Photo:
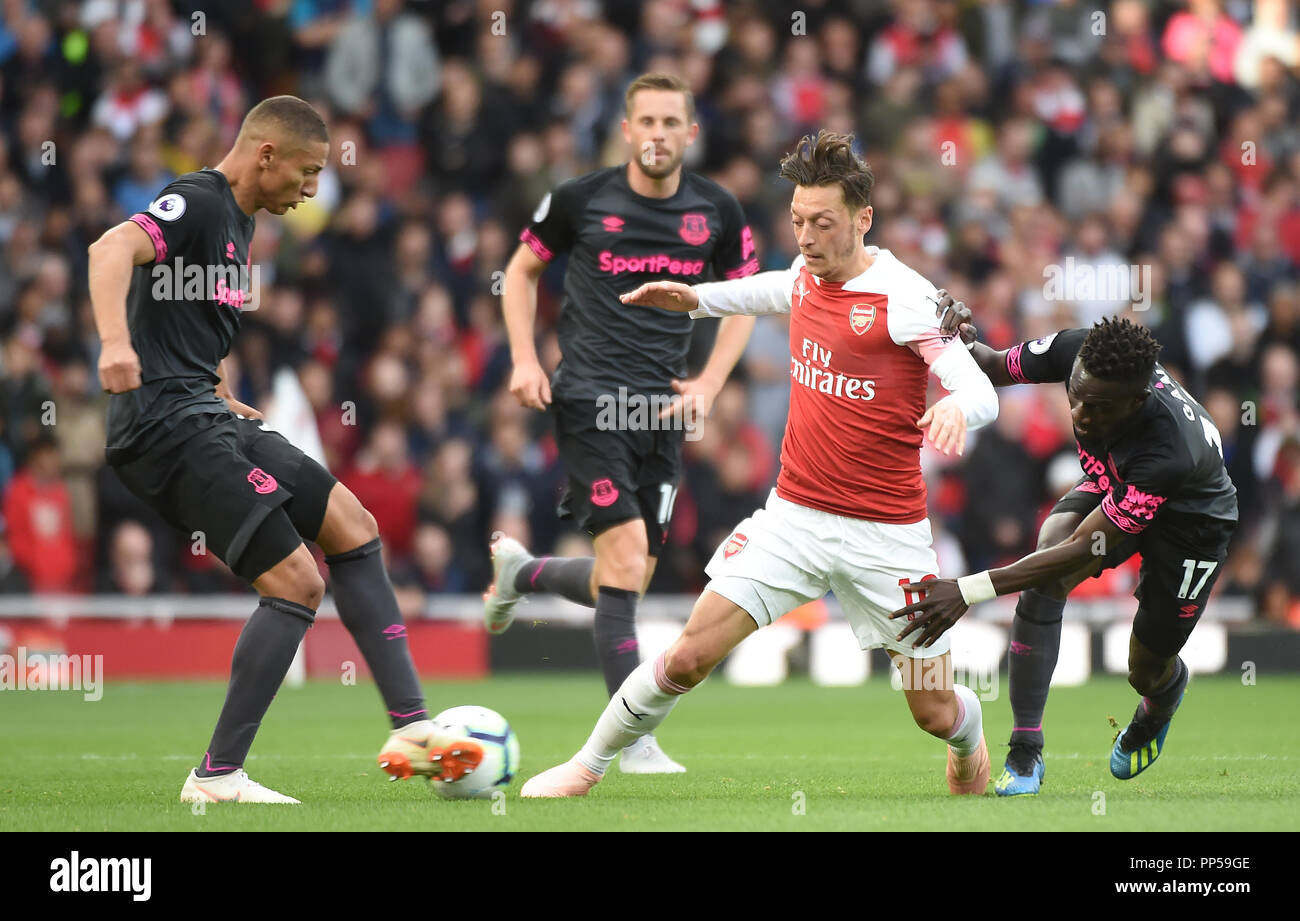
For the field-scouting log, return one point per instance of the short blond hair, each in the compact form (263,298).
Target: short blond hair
(661,81)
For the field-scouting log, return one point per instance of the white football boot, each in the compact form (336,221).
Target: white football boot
(235,787)
(644,756)
(508,557)
(567,779)
(426,749)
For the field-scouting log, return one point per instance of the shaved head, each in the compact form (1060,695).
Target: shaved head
(286,120)
(281,150)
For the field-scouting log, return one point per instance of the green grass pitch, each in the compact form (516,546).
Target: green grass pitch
(790,758)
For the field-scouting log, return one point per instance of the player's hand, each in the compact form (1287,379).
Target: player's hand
(529,385)
(119,367)
(941,607)
(243,409)
(947,426)
(670,295)
(955,317)
(694,400)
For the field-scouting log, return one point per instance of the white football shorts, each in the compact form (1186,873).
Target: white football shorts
(785,555)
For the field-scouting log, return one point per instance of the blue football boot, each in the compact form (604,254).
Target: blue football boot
(1023,773)
(1139,745)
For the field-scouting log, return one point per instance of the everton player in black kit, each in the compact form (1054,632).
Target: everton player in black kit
(645,220)
(1153,483)
(167,291)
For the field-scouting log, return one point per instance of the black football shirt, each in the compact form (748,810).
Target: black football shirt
(183,309)
(616,241)
(1167,458)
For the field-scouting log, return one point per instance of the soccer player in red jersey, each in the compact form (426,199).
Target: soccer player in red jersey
(621,226)
(848,513)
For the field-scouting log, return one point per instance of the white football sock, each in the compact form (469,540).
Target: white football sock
(637,707)
(969,728)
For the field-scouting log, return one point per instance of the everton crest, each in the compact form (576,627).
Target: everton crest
(694,229)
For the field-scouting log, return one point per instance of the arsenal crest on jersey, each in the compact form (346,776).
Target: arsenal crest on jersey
(735,544)
(861,316)
(694,229)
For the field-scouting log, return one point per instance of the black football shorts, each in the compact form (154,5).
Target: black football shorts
(252,494)
(616,474)
(1182,556)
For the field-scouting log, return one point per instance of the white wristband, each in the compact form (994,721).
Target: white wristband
(976,588)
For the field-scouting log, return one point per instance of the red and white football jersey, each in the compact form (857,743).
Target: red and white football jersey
(860,353)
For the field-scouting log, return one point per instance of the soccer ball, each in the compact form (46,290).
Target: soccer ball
(500,752)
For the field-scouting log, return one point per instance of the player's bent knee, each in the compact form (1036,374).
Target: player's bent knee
(1144,680)
(369,526)
(359,519)
(621,566)
(687,664)
(295,578)
(348,524)
(934,717)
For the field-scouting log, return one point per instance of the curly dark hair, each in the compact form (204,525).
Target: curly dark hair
(828,159)
(1119,350)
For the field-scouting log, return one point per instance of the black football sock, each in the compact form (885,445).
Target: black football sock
(616,644)
(1158,708)
(1035,645)
(568,577)
(263,654)
(368,608)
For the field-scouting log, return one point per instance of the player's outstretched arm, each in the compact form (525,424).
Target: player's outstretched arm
(946,600)
(753,295)
(113,257)
(666,295)
(519,304)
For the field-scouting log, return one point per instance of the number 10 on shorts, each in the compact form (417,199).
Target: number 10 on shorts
(914,597)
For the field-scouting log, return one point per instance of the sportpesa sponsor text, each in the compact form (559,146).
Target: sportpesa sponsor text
(658,263)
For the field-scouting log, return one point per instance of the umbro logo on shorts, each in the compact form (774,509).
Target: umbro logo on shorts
(262,481)
(735,544)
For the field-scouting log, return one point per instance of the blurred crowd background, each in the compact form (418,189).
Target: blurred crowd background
(1006,137)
